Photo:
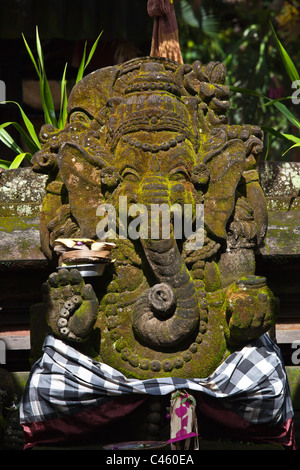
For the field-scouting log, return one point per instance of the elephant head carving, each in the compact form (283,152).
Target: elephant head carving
(154,133)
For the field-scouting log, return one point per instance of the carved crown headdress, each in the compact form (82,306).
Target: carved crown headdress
(153,100)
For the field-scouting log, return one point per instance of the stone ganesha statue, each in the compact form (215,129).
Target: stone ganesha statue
(152,131)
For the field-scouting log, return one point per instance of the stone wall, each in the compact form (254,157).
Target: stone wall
(279,256)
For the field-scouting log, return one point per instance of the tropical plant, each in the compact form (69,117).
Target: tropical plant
(201,33)
(293,75)
(29,134)
(238,34)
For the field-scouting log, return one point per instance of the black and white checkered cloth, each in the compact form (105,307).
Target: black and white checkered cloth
(252,382)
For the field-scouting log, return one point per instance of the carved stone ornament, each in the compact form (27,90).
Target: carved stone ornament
(145,133)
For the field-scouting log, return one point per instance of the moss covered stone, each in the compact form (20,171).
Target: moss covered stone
(156,133)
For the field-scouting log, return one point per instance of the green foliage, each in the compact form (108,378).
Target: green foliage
(239,35)
(202,29)
(45,92)
(29,134)
(84,63)
(292,72)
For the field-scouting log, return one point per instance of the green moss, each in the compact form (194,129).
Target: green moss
(9,224)
(212,277)
(293,373)
(20,380)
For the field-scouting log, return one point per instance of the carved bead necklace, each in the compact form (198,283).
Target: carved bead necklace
(146,147)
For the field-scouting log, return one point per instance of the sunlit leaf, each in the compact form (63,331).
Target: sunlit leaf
(291,137)
(287,61)
(18,160)
(292,147)
(46,95)
(4,164)
(31,138)
(81,65)
(28,124)
(288,114)
(48,102)
(30,143)
(39,49)
(92,51)
(9,141)
(84,63)
(31,56)
(63,100)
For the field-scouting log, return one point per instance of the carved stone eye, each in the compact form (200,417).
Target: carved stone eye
(179,174)
(79,116)
(129,174)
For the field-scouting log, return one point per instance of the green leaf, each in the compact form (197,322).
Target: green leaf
(63,100)
(9,141)
(18,160)
(283,136)
(28,124)
(291,137)
(277,103)
(47,117)
(48,102)
(274,132)
(292,147)
(31,56)
(247,91)
(4,164)
(276,100)
(39,49)
(287,113)
(30,143)
(92,51)
(81,66)
(269,141)
(8,165)
(287,61)
(46,95)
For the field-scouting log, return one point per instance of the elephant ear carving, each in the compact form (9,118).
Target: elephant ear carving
(81,177)
(226,166)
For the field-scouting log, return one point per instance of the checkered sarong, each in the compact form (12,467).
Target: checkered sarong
(251,382)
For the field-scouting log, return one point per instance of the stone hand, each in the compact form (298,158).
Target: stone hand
(250,310)
(72,305)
